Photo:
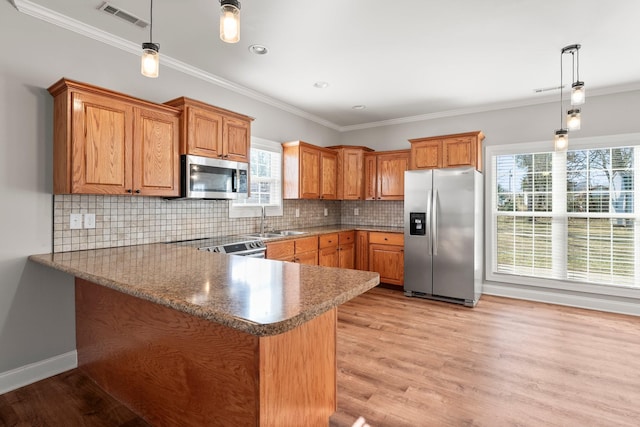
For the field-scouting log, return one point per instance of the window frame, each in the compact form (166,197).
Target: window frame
(237,210)
(491,275)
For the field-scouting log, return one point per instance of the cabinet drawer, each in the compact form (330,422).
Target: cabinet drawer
(306,244)
(280,250)
(346,237)
(386,238)
(328,240)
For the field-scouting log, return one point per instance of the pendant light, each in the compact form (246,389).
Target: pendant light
(150,63)
(561,140)
(230,21)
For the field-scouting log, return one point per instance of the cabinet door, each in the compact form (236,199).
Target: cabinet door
(101,155)
(458,152)
(362,250)
(370,176)
(328,181)
(309,258)
(156,162)
(388,261)
(204,135)
(328,257)
(347,254)
(391,168)
(426,155)
(309,173)
(352,174)
(236,139)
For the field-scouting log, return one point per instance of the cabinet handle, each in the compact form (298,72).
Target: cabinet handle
(138,191)
(128,190)
(386,238)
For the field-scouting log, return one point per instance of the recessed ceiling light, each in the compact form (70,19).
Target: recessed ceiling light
(258,49)
(358,107)
(321,85)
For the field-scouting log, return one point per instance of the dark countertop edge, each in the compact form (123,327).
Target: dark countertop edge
(237,323)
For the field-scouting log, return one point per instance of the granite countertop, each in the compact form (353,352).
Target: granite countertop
(316,231)
(258,296)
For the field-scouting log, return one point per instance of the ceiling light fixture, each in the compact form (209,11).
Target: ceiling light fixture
(150,63)
(258,49)
(561,140)
(230,21)
(321,85)
(358,107)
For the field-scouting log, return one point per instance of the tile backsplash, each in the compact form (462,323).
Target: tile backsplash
(127,220)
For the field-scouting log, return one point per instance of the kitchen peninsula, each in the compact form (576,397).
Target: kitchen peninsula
(186,337)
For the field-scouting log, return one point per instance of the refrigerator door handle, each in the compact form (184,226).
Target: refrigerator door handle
(434,223)
(428,224)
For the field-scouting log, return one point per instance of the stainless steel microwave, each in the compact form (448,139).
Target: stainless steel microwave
(207,178)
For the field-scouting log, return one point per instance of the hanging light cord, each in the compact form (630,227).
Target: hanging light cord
(561,86)
(151,23)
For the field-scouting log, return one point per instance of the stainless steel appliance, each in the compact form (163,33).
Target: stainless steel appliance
(229,245)
(443,234)
(206,178)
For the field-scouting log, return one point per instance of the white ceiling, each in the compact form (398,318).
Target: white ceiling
(399,58)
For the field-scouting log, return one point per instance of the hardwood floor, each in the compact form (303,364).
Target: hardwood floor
(412,362)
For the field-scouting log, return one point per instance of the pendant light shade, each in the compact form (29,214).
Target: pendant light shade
(150,64)
(577,93)
(150,61)
(230,21)
(573,119)
(561,141)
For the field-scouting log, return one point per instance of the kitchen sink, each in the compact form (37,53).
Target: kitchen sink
(290,232)
(272,234)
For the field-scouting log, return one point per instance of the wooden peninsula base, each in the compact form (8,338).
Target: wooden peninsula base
(175,369)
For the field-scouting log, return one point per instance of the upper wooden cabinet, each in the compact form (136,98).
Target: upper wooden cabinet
(109,143)
(384,174)
(448,151)
(210,131)
(350,176)
(309,171)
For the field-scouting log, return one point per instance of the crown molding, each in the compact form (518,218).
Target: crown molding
(40,12)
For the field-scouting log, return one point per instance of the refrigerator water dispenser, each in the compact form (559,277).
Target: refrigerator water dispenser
(417,223)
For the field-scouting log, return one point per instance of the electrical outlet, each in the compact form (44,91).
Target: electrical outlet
(75,221)
(326,212)
(356,211)
(297,212)
(90,220)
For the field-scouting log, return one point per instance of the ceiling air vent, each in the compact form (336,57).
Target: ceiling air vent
(116,11)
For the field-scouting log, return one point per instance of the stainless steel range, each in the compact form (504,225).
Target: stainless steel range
(233,245)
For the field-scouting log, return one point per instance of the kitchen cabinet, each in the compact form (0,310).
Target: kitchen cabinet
(386,256)
(214,132)
(384,174)
(109,143)
(350,176)
(337,249)
(310,172)
(447,151)
(302,250)
(362,250)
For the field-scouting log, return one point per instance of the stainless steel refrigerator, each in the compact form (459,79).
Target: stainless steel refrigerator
(443,234)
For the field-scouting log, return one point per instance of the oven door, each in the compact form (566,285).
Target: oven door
(205,178)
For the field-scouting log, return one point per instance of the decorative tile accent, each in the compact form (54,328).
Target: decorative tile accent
(377,213)
(130,220)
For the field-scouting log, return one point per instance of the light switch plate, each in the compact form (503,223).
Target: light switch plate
(326,212)
(89,220)
(75,221)
(297,212)
(356,211)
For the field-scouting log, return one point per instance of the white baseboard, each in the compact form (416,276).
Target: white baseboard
(589,301)
(37,371)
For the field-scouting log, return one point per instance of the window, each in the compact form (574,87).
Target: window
(265,181)
(570,218)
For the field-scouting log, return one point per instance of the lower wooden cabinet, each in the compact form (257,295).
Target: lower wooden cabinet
(302,251)
(337,250)
(362,250)
(386,256)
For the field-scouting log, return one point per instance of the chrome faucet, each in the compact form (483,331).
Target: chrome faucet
(262,219)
